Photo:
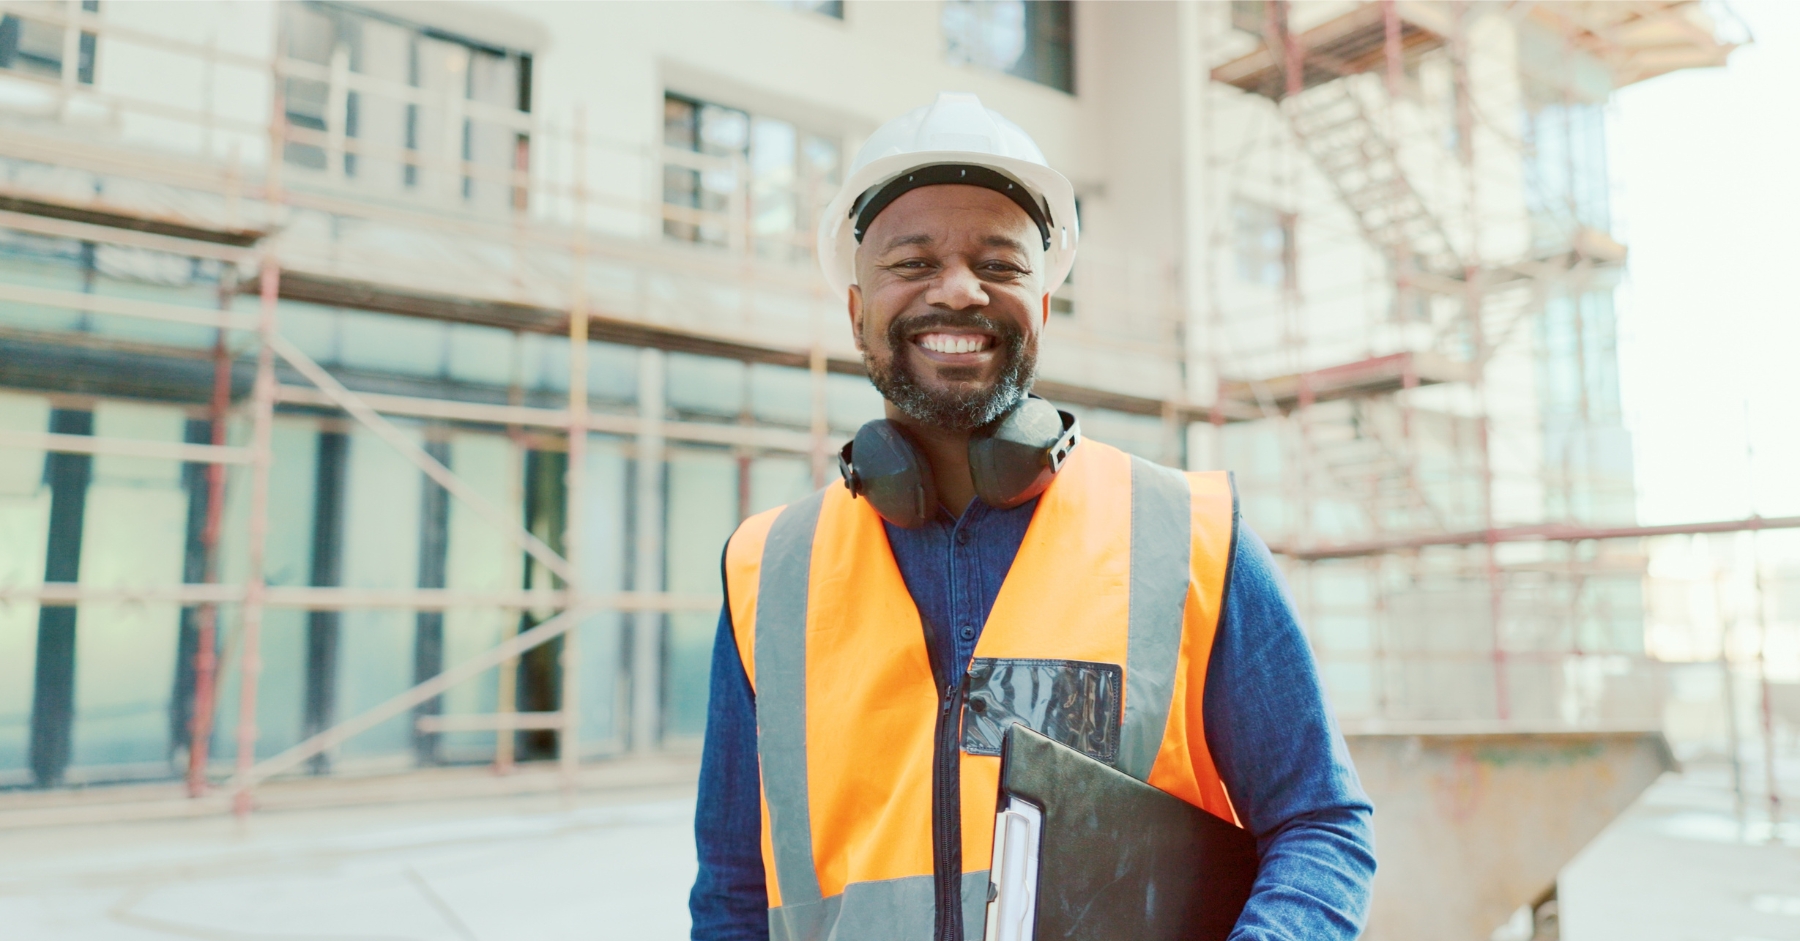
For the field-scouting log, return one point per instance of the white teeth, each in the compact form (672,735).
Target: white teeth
(952,343)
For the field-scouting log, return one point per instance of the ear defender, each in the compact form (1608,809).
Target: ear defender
(1016,457)
(891,473)
(1011,461)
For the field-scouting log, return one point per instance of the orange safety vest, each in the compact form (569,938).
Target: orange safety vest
(1120,577)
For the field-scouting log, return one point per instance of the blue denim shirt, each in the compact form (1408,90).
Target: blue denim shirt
(1272,737)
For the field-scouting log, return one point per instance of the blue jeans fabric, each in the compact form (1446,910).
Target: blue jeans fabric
(1271,734)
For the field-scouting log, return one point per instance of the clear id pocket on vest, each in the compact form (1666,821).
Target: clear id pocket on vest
(1074,702)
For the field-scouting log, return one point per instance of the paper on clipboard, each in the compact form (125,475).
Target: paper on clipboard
(1012,878)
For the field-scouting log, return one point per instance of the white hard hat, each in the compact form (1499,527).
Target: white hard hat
(953,131)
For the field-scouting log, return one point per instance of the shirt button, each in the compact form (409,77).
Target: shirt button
(967,632)
(962,537)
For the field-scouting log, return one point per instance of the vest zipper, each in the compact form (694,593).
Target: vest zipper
(946,814)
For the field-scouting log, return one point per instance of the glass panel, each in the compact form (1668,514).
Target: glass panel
(379,122)
(681,184)
(439,69)
(612,372)
(310,36)
(309,33)
(724,132)
(45,263)
(35,47)
(778,481)
(703,511)
(387,343)
(791,176)
(280,692)
(381,550)
(493,80)
(24,531)
(706,384)
(1050,54)
(544,362)
(481,558)
(312,328)
(392,137)
(988,33)
(850,401)
(21,469)
(480,354)
(781,394)
(773,202)
(1264,242)
(603,571)
(133,534)
(1032,40)
(153,276)
(681,127)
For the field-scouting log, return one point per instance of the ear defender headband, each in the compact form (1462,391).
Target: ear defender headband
(1011,461)
(870,205)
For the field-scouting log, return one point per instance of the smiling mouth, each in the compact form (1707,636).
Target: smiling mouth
(955,343)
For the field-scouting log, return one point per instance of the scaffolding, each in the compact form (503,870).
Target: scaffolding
(1386,434)
(1436,173)
(252,198)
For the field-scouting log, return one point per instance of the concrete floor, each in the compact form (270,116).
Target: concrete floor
(1676,868)
(496,869)
(1684,866)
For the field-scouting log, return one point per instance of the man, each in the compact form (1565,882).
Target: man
(846,791)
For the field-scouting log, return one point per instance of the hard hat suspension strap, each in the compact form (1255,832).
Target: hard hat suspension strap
(871,203)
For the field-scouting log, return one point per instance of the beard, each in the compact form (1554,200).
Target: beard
(953,409)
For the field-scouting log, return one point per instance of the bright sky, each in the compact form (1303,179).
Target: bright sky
(1706,169)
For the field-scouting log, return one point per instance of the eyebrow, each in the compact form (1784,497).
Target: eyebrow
(904,240)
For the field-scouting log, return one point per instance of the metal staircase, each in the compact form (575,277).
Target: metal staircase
(1362,165)
(1360,461)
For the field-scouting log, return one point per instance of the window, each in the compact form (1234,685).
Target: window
(831,8)
(395,106)
(1264,238)
(730,177)
(1032,39)
(32,46)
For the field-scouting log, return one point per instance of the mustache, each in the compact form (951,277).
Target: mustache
(965,410)
(905,328)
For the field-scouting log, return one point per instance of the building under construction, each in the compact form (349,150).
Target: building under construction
(380,381)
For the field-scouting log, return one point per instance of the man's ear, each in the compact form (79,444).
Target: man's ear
(854,307)
(1045,322)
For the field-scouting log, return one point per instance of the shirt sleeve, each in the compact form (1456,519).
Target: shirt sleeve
(1283,760)
(730,901)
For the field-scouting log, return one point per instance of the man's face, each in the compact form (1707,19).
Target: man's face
(949,303)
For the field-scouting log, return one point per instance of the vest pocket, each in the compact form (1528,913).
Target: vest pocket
(1074,702)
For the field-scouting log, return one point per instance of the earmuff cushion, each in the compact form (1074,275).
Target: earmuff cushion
(1011,462)
(892,475)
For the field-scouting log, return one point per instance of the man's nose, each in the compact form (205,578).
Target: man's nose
(957,288)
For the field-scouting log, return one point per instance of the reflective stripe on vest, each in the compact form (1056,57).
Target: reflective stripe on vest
(1124,564)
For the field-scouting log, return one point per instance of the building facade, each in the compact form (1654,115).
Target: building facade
(342,342)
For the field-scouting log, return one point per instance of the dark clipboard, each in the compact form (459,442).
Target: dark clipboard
(1106,856)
